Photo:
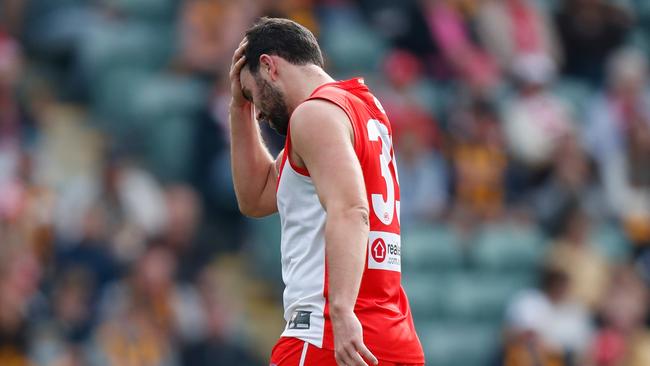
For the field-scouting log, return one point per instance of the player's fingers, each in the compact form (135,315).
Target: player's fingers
(239,51)
(236,69)
(351,356)
(340,359)
(234,62)
(365,353)
(355,359)
(236,58)
(238,65)
(346,356)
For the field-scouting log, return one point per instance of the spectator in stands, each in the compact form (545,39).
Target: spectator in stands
(147,316)
(26,210)
(209,30)
(422,170)
(14,129)
(544,327)
(130,200)
(20,300)
(423,175)
(404,25)
(91,254)
(479,161)
(623,338)
(211,177)
(407,88)
(570,182)
(221,344)
(61,338)
(12,13)
(617,137)
(590,31)
(511,29)
(182,234)
(575,254)
(535,120)
(451,30)
(637,217)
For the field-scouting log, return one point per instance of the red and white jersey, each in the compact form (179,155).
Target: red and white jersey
(382,306)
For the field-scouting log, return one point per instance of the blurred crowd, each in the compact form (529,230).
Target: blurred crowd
(120,238)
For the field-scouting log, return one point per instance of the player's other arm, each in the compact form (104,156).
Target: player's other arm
(254,172)
(322,138)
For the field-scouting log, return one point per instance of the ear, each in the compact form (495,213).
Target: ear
(269,66)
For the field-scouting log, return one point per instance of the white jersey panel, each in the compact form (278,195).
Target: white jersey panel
(303,256)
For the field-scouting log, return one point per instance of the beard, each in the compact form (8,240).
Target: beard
(273,107)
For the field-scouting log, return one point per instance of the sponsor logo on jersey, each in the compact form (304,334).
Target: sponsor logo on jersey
(378,250)
(299,320)
(384,251)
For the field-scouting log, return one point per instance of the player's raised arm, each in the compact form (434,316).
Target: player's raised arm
(254,171)
(322,139)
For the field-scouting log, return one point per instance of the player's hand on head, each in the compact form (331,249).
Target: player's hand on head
(238,61)
(349,349)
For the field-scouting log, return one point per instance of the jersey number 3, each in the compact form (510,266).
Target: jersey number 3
(384,209)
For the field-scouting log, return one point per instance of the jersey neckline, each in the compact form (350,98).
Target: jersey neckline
(348,84)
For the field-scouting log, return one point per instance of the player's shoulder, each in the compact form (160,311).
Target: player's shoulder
(314,121)
(315,108)
(316,114)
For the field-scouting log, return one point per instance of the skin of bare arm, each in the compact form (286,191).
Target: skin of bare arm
(254,171)
(322,141)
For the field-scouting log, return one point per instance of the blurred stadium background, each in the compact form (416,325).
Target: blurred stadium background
(522,131)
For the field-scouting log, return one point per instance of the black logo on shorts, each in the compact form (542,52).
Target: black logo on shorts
(299,320)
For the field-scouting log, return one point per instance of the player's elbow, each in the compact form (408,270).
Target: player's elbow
(354,212)
(362,212)
(251,210)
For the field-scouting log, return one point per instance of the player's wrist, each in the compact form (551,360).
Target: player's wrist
(239,107)
(239,112)
(341,310)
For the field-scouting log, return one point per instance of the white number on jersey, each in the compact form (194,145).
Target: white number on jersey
(384,209)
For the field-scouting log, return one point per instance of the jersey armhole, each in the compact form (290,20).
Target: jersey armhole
(287,152)
(283,161)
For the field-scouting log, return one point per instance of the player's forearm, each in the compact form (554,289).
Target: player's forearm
(346,236)
(251,162)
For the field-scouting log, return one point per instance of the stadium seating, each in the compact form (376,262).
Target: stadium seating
(458,299)
(147,10)
(264,247)
(611,242)
(575,94)
(458,344)
(508,247)
(478,295)
(432,248)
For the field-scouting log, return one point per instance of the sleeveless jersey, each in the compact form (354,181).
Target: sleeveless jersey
(382,306)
